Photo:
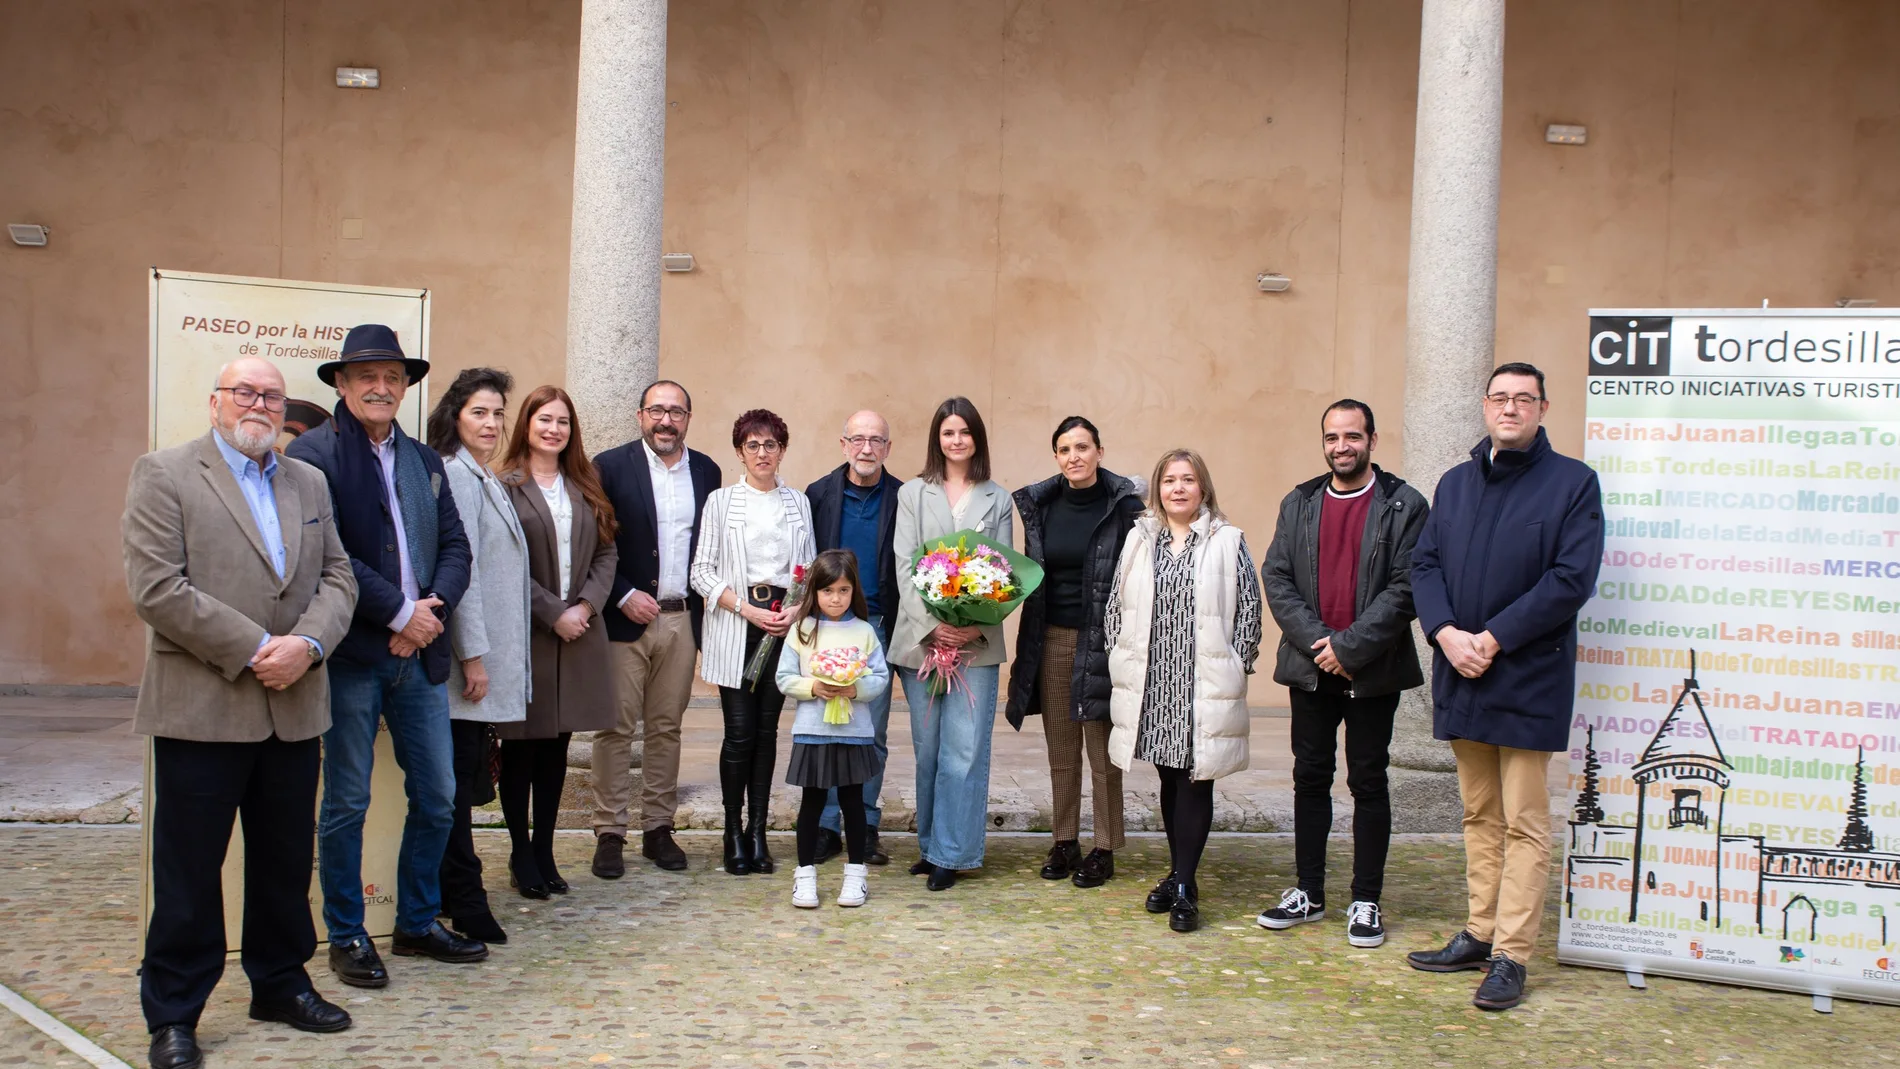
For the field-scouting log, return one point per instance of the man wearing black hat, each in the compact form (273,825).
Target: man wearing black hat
(399,525)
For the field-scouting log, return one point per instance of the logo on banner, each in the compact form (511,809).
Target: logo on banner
(374,895)
(1629,345)
(1791,954)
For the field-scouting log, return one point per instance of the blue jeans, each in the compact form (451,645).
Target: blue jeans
(880,741)
(397,691)
(952,737)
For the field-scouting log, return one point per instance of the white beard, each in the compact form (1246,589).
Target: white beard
(251,437)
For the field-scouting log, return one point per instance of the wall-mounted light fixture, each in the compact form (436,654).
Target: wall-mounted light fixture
(677,261)
(358,78)
(1272,283)
(1560,134)
(27,233)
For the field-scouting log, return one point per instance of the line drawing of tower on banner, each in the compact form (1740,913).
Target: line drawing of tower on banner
(1675,862)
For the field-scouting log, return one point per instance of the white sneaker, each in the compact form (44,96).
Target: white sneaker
(853,893)
(805,887)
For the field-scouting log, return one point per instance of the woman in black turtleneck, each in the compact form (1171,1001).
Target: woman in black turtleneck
(1073,525)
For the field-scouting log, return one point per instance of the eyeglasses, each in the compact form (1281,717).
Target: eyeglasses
(247,398)
(1508,400)
(862,441)
(763,448)
(657,413)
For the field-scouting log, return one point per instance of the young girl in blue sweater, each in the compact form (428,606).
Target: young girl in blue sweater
(832,749)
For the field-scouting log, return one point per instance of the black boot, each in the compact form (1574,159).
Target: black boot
(756,846)
(738,861)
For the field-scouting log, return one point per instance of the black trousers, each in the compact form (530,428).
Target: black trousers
(462,892)
(1315,732)
(533,774)
(201,788)
(1187,815)
(750,748)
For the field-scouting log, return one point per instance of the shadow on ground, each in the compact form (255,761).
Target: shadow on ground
(705,969)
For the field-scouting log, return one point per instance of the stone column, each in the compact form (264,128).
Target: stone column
(1450,318)
(613,288)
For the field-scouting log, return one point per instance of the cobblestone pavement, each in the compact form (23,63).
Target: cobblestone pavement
(702,969)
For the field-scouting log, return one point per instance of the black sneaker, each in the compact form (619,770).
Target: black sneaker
(1294,908)
(1364,926)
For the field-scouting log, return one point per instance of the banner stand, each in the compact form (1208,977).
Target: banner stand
(1735,811)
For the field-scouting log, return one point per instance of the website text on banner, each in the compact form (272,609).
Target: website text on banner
(201,322)
(1735,751)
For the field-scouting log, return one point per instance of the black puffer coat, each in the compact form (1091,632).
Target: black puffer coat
(1088,687)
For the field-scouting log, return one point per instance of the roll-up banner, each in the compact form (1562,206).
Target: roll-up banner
(1735,814)
(199,323)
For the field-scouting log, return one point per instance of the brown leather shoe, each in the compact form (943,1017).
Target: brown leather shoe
(658,847)
(608,862)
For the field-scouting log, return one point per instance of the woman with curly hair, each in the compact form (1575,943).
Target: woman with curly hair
(752,534)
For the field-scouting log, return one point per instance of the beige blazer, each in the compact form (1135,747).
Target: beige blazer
(923,514)
(203,582)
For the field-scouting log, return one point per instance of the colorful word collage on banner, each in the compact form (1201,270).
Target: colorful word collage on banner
(1736,738)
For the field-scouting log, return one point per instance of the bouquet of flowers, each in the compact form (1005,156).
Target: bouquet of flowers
(967,580)
(840,666)
(764,662)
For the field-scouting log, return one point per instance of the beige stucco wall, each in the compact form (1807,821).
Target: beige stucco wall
(1052,206)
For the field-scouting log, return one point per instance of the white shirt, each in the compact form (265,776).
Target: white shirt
(563,511)
(385,451)
(673,519)
(768,538)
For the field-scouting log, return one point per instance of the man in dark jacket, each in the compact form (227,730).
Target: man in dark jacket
(1338,579)
(399,525)
(658,488)
(1074,525)
(1507,559)
(855,508)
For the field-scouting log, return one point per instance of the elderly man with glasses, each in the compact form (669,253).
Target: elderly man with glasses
(855,508)
(1507,558)
(658,488)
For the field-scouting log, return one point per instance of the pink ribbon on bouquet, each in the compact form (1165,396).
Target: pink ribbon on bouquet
(943,668)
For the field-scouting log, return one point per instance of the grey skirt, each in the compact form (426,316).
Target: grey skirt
(830,764)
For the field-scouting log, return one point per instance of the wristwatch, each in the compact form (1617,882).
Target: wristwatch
(315,654)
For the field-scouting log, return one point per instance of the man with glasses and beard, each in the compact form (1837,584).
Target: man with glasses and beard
(658,487)
(1508,558)
(1338,581)
(855,508)
(233,562)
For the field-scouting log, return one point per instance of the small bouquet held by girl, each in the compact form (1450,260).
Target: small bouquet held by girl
(833,663)
(967,580)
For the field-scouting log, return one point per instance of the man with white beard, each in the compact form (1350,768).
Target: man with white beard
(233,561)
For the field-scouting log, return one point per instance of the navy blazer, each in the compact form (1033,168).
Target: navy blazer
(379,582)
(1512,547)
(827,517)
(629,486)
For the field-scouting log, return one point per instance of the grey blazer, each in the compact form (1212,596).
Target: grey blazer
(491,622)
(923,513)
(196,568)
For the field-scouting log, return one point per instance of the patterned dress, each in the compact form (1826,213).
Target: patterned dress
(1166,736)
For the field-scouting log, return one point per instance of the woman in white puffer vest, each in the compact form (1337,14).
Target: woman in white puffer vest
(1183,630)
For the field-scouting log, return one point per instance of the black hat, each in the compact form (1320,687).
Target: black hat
(368,343)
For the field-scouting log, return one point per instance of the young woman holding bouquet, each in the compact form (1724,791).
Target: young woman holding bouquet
(569,528)
(834,665)
(1074,525)
(1183,630)
(950,730)
(754,536)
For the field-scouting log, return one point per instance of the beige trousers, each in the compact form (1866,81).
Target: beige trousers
(655,680)
(1067,738)
(1506,796)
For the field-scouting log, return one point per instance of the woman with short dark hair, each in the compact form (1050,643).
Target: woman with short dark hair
(752,535)
(951,731)
(1074,524)
(488,633)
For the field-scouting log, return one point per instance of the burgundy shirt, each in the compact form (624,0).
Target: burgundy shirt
(1342,526)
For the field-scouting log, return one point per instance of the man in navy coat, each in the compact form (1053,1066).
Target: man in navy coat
(1507,558)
